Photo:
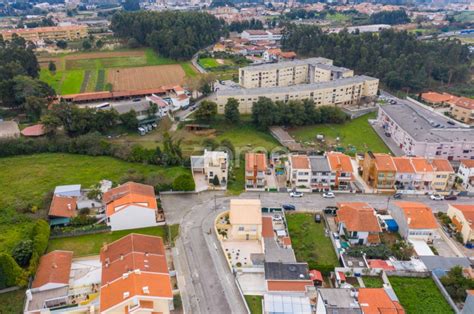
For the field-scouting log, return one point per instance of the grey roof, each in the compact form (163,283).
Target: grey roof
(9,129)
(286,304)
(339,300)
(331,67)
(295,88)
(197,162)
(275,253)
(444,263)
(279,65)
(286,271)
(424,125)
(127,107)
(319,163)
(68,190)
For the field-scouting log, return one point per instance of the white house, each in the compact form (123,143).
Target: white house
(211,164)
(299,171)
(163,105)
(130,206)
(415,221)
(466,174)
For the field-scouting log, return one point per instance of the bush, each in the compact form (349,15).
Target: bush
(41,233)
(10,273)
(22,252)
(184,182)
(83,220)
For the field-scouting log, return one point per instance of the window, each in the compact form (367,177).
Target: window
(241,228)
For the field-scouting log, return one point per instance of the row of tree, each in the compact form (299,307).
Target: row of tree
(397,58)
(174,34)
(390,17)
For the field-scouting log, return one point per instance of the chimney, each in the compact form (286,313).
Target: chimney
(409,220)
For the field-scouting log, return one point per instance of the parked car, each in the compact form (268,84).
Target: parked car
(136,99)
(436,197)
(450,197)
(288,207)
(193,108)
(397,196)
(317,218)
(142,131)
(296,194)
(277,217)
(328,195)
(330,210)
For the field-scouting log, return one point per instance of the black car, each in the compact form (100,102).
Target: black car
(397,196)
(317,218)
(330,210)
(451,197)
(288,207)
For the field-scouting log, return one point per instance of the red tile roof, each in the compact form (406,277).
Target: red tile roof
(467,211)
(463,102)
(421,164)
(468,163)
(358,216)
(403,165)
(418,215)
(340,162)
(130,193)
(384,162)
(300,162)
(46,29)
(316,275)
(258,160)
(289,285)
(380,264)
(63,206)
(267,227)
(33,130)
(442,165)
(434,97)
(53,267)
(377,301)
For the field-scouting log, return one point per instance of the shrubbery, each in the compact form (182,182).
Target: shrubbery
(184,182)
(10,273)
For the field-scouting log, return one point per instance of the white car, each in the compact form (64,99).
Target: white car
(277,217)
(436,197)
(296,194)
(328,195)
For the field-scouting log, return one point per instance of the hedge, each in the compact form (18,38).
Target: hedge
(41,233)
(10,273)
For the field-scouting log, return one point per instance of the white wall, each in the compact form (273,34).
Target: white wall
(133,217)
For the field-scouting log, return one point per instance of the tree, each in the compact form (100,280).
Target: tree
(456,284)
(129,120)
(184,182)
(52,66)
(133,43)
(86,44)
(263,113)
(22,252)
(51,123)
(131,5)
(34,106)
(231,111)
(10,273)
(207,111)
(99,44)
(215,181)
(62,44)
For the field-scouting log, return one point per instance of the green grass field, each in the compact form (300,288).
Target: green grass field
(372,281)
(419,295)
(90,244)
(255,303)
(355,133)
(310,242)
(208,63)
(12,302)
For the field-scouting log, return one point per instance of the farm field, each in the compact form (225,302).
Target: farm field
(419,295)
(88,71)
(310,242)
(90,244)
(355,133)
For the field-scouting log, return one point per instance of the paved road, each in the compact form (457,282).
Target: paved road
(206,283)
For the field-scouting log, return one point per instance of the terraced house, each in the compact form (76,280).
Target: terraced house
(379,171)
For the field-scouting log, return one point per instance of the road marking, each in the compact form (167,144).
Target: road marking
(215,246)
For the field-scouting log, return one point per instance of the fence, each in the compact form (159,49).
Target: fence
(74,233)
(445,293)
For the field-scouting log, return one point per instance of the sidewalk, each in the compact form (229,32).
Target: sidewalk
(397,151)
(358,178)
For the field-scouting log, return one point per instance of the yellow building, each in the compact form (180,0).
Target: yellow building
(462,109)
(443,176)
(463,217)
(245,219)
(53,33)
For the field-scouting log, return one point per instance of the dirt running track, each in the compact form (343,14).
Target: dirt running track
(145,77)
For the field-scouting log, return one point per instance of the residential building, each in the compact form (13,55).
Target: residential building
(287,277)
(358,223)
(341,92)
(276,55)
(421,132)
(377,300)
(337,300)
(443,176)
(211,164)
(415,221)
(130,206)
(466,174)
(379,171)
(462,109)
(435,98)
(255,168)
(9,129)
(462,217)
(341,167)
(254,35)
(135,276)
(322,178)
(245,219)
(405,175)
(54,33)
(423,173)
(299,171)
(62,209)
(276,302)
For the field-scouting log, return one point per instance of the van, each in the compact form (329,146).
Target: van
(103,106)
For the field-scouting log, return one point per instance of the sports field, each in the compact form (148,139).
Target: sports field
(90,71)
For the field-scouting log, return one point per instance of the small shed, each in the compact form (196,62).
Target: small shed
(34,130)
(68,190)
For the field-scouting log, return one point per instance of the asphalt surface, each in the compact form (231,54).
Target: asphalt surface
(204,278)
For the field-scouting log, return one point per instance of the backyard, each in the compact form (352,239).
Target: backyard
(419,295)
(255,303)
(373,281)
(310,242)
(353,136)
(12,302)
(88,71)
(90,244)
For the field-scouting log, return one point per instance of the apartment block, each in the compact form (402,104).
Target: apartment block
(341,166)
(340,92)
(466,174)
(255,168)
(53,33)
(462,109)
(421,132)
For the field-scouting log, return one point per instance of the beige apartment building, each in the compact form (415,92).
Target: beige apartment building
(54,33)
(462,109)
(338,92)
(290,73)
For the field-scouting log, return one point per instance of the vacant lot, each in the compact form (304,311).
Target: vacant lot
(87,71)
(373,281)
(353,136)
(90,244)
(310,243)
(419,295)
(145,77)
